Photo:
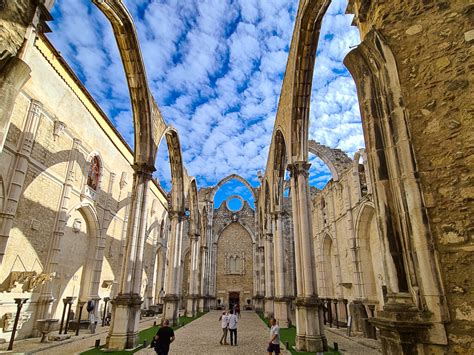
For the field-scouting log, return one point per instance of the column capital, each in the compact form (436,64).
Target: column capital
(276,213)
(143,169)
(269,236)
(299,168)
(176,214)
(194,237)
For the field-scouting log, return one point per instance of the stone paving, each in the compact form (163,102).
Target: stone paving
(352,345)
(74,345)
(202,337)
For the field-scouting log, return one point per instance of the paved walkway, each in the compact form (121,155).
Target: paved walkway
(352,345)
(74,345)
(202,337)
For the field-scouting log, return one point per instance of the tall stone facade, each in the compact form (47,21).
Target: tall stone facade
(234,236)
(66,180)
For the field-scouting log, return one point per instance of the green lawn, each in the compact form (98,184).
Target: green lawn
(289,336)
(145,334)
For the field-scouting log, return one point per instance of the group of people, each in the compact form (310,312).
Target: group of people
(165,335)
(229,324)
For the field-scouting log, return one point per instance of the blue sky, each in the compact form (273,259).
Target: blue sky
(215,68)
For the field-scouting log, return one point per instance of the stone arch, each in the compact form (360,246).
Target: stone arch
(367,243)
(336,160)
(361,174)
(160,263)
(2,193)
(251,233)
(148,121)
(374,69)
(233,177)
(279,167)
(177,168)
(328,266)
(91,274)
(193,205)
(307,28)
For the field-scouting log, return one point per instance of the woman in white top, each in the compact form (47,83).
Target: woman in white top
(224,319)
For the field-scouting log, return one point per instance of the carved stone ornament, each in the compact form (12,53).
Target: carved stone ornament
(59,127)
(76,225)
(28,280)
(9,320)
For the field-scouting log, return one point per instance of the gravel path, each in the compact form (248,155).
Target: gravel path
(202,337)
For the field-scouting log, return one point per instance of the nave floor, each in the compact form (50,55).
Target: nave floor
(202,337)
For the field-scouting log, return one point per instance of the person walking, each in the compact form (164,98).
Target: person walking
(163,338)
(274,345)
(233,328)
(237,309)
(224,319)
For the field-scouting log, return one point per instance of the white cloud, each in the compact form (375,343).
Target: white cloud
(215,68)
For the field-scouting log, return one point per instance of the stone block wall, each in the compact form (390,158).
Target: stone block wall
(432,42)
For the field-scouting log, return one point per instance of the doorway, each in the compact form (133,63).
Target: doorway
(234,298)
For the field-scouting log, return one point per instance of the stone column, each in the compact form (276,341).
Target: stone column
(309,321)
(204,270)
(123,333)
(281,301)
(269,275)
(213,258)
(193,294)
(19,174)
(172,285)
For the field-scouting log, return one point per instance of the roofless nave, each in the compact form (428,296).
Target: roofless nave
(386,241)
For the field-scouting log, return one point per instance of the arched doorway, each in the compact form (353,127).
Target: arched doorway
(328,267)
(370,257)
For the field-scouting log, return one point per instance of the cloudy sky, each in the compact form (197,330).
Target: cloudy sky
(215,68)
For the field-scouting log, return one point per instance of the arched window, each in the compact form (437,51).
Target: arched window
(94,173)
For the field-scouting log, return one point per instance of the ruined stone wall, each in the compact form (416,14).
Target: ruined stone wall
(234,240)
(231,231)
(66,118)
(432,44)
(15,17)
(340,213)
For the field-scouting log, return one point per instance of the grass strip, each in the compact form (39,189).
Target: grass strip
(288,336)
(145,334)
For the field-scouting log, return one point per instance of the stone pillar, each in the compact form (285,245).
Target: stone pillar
(123,333)
(193,294)
(309,321)
(281,301)
(204,270)
(19,174)
(172,285)
(269,275)
(213,260)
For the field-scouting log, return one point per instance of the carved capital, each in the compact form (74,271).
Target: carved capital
(299,168)
(143,169)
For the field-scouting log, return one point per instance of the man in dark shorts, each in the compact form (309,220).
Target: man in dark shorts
(274,345)
(163,338)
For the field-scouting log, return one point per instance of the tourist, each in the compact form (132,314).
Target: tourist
(233,328)
(237,309)
(224,319)
(274,345)
(163,338)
